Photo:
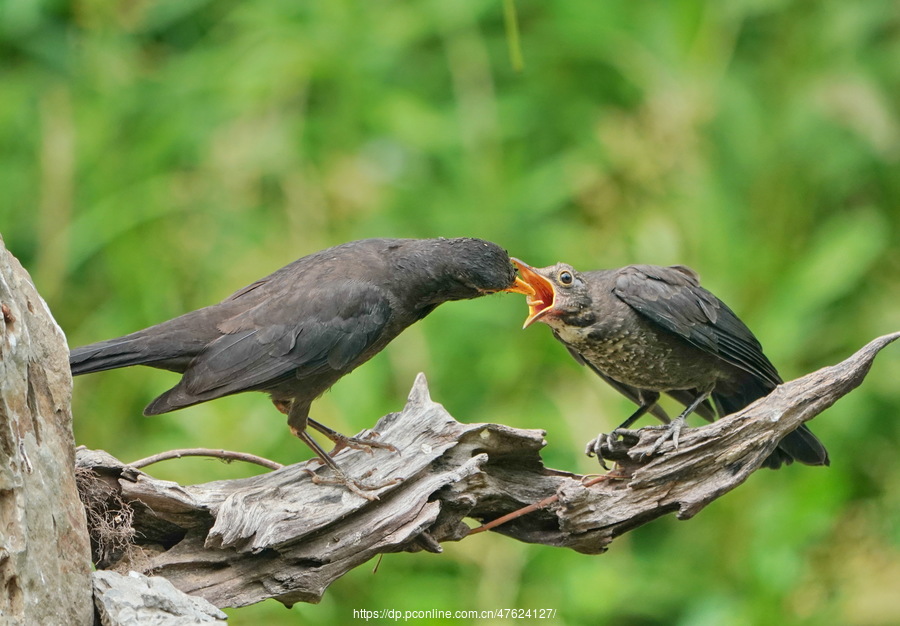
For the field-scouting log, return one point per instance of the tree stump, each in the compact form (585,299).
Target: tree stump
(44,553)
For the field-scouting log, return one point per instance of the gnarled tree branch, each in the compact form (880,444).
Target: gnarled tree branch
(278,535)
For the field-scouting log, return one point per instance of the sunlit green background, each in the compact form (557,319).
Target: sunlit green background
(157,155)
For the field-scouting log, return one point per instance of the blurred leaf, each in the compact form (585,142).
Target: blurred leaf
(838,256)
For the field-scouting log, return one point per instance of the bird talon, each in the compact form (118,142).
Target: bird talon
(364,444)
(671,431)
(594,448)
(626,435)
(355,486)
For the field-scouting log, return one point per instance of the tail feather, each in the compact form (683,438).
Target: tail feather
(136,349)
(170,345)
(800,445)
(107,355)
(139,348)
(805,447)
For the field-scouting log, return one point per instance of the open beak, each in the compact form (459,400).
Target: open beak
(540,295)
(520,286)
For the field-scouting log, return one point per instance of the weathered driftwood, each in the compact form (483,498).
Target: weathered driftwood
(44,554)
(279,535)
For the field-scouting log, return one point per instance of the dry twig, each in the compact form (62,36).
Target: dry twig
(225,455)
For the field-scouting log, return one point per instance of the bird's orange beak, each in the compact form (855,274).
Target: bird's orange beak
(540,294)
(520,286)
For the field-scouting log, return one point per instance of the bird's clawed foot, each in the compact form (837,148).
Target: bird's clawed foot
(672,431)
(340,477)
(612,443)
(364,443)
(358,487)
(615,444)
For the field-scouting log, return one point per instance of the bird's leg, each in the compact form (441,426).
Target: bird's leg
(340,478)
(648,400)
(297,421)
(673,429)
(356,443)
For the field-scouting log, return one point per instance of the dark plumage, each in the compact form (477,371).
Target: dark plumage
(647,330)
(294,333)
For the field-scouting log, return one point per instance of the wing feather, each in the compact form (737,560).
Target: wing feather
(675,300)
(315,334)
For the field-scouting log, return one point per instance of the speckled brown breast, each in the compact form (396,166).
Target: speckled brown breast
(634,351)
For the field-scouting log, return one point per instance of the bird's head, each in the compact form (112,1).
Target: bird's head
(553,293)
(466,268)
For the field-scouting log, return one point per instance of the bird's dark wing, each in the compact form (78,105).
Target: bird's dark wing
(673,298)
(632,393)
(296,334)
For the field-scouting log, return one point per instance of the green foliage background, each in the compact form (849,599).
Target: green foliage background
(156,156)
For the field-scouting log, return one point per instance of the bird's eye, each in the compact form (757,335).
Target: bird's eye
(565,277)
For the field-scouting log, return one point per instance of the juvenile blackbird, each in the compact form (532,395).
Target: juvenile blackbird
(647,330)
(294,333)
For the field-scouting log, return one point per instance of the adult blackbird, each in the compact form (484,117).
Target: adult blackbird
(647,330)
(294,333)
